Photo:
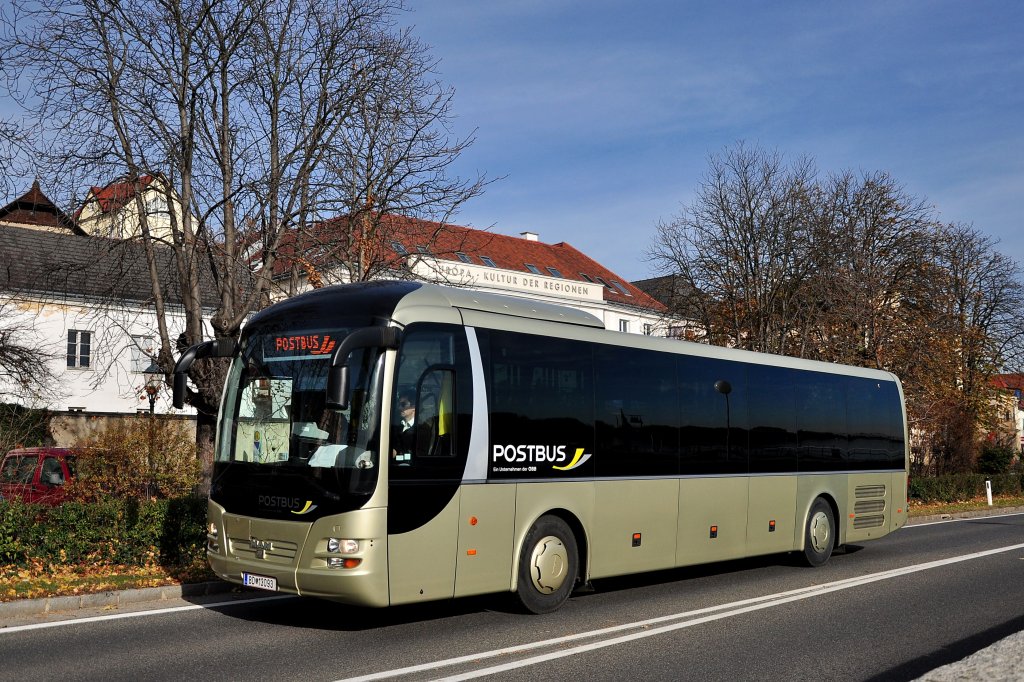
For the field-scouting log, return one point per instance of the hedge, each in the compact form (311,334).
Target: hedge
(123,532)
(960,487)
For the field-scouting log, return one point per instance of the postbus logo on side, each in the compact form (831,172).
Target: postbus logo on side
(529,457)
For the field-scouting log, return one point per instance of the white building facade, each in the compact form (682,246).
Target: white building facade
(84,304)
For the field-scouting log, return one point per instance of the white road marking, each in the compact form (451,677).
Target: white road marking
(135,614)
(689,618)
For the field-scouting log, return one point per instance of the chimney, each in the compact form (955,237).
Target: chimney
(530,236)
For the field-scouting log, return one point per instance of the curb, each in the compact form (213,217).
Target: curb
(110,599)
(974,513)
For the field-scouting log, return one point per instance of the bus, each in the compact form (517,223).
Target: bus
(394,442)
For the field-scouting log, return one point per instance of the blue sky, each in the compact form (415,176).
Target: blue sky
(601,114)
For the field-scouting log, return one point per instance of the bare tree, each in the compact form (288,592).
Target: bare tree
(256,112)
(979,297)
(25,375)
(742,247)
(852,270)
(870,260)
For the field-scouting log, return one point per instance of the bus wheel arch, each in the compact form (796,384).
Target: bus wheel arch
(550,561)
(821,530)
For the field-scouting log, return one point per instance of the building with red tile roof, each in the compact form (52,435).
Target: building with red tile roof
(524,266)
(35,211)
(111,210)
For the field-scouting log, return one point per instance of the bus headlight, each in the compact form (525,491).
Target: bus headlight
(335,545)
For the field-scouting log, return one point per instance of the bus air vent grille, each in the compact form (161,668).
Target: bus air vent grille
(869,521)
(279,551)
(870,490)
(868,506)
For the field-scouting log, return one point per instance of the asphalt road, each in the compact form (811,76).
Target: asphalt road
(892,609)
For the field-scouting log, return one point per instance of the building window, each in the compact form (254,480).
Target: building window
(608,286)
(586,277)
(532,268)
(554,272)
(488,262)
(648,328)
(399,248)
(624,326)
(143,352)
(463,257)
(423,249)
(156,204)
(621,288)
(79,349)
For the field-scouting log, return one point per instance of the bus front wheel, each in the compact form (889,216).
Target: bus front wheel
(548,565)
(820,533)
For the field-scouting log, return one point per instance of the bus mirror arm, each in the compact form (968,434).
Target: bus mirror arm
(217,348)
(367,337)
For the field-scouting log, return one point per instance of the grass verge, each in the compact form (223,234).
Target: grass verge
(37,581)
(978,503)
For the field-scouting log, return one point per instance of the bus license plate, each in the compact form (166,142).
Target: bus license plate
(262,582)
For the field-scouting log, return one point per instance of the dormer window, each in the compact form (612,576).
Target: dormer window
(586,277)
(423,249)
(609,286)
(399,248)
(554,272)
(532,268)
(488,262)
(463,257)
(621,288)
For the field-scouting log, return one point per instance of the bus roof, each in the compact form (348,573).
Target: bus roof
(405,302)
(470,299)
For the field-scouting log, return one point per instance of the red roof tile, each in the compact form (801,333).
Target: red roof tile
(115,195)
(1011,382)
(445,241)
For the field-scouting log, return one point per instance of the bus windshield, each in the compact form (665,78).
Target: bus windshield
(277,430)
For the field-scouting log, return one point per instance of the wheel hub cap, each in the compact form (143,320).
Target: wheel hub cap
(821,533)
(549,563)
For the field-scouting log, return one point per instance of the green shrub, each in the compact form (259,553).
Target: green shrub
(113,531)
(136,458)
(23,427)
(13,518)
(961,487)
(995,459)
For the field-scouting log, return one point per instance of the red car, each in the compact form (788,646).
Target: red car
(36,475)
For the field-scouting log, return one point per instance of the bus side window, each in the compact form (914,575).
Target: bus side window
(431,405)
(435,418)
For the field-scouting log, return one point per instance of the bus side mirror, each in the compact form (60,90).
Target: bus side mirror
(337,387)
(217,348)
(337,375)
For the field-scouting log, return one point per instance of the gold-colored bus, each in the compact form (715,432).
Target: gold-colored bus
(395,442)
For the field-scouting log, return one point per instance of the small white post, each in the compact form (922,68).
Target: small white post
(988,492)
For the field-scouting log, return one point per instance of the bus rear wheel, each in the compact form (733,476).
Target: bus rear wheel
(548,565)
(820,533)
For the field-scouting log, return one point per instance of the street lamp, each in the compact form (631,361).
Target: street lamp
(154,378)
